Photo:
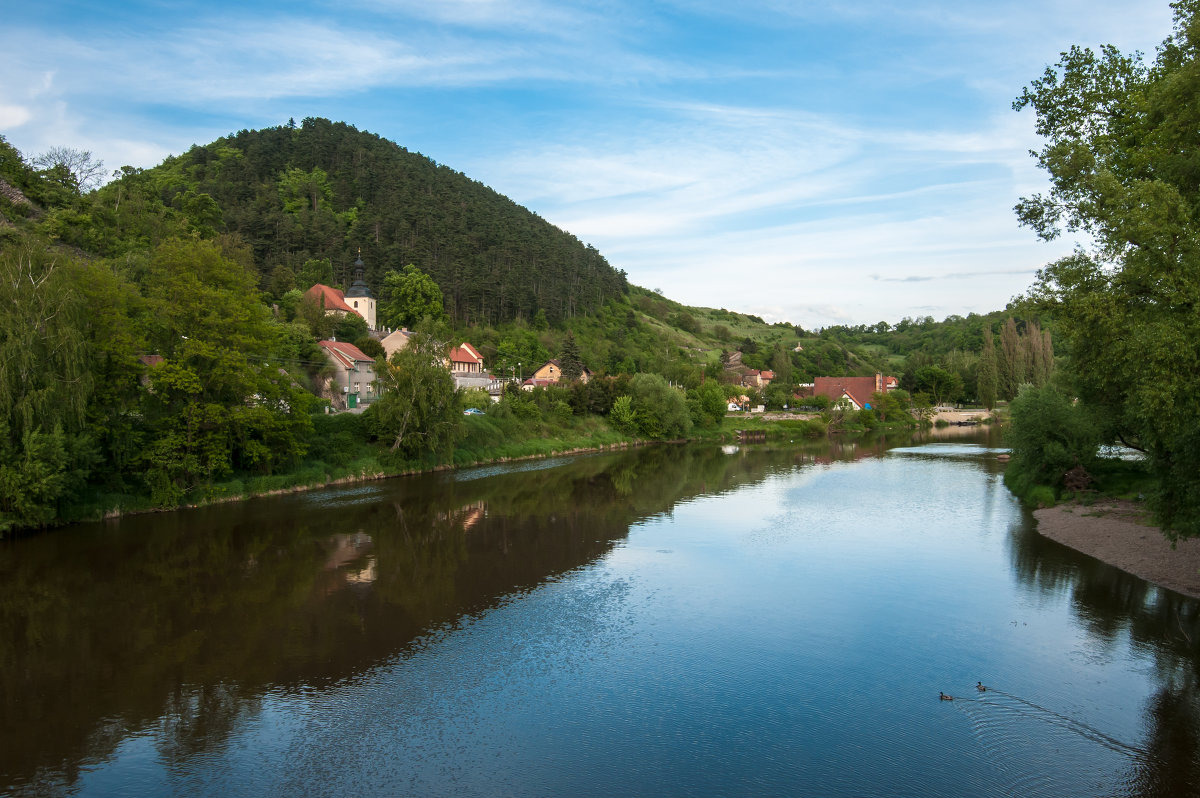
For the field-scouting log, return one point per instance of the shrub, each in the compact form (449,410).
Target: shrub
(1049,436)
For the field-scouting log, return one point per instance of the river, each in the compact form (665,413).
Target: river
(669,621)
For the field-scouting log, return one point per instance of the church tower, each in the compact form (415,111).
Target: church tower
(359,296)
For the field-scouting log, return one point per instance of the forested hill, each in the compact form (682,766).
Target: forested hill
(323,190)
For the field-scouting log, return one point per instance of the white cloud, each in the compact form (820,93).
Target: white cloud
(13,116)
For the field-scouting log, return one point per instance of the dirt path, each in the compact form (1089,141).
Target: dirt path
(1119,533)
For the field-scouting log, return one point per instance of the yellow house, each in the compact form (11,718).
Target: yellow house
(549,374)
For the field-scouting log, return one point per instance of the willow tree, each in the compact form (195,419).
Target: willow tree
(45,385)
(1121,143)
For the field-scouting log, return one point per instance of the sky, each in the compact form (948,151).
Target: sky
(843,162)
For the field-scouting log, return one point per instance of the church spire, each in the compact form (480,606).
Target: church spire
(359,286)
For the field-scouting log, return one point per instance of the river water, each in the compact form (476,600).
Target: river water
(670,621)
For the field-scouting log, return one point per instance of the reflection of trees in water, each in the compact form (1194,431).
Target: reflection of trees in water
(1113,606)
(175,623)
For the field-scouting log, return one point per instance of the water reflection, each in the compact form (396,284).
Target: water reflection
(175,631)
(179,622)
(1119,609)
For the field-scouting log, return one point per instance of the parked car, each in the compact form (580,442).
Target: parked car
(472,411)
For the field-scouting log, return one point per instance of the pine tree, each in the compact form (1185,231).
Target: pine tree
(570,360)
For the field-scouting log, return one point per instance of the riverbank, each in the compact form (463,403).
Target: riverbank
(1120,533)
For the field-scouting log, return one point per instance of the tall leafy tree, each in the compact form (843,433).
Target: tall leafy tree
(1121,139)
(418,409)
(988,376)
(216,403)
(409,296)
(1013,361)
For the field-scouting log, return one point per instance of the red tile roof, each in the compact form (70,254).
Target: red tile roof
(332,296)
(859,389)
(465,354)
(345,353)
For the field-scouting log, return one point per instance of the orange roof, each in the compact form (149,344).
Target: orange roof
(345,353)
(465,354)
(858,389)
(332,297)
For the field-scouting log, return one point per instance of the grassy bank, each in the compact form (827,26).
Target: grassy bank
(340,453)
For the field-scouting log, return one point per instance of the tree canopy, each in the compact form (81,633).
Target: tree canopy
(1122,149)
(323,190)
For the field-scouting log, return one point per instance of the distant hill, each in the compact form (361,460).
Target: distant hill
(325,189)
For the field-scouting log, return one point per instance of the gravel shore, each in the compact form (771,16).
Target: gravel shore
(1120,534)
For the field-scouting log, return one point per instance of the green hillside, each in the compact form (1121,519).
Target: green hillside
(325,191)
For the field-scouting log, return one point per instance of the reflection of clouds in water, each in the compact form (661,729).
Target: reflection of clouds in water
(408,726)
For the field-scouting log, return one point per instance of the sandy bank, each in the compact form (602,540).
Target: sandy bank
(1120,534)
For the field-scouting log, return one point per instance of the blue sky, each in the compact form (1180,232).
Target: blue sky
(819,163)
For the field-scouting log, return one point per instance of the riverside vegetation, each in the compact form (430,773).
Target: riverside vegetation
(157,352)
(1121,144)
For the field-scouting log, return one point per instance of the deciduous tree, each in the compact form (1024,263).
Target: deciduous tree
(408,297)
(1121,142)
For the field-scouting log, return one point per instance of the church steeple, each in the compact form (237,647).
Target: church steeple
(359,286)
(359,296)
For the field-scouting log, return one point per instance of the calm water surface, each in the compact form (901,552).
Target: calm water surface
(688,621)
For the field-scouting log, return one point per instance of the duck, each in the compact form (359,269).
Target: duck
(945,697)
(981,687)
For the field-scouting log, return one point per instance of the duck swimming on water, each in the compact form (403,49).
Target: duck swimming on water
(981,687)
(945,697)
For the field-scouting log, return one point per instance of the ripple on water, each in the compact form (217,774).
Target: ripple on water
(1041,752)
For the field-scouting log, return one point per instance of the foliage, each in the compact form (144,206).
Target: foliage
(75,169)
(988,377)
(45,384)
(418,412)
(654,409)
(349,327)
(939,383)
(407,297)
(322,190)
(1121,139)
(1049,436)
(215,404)
(707,404)
(569,359)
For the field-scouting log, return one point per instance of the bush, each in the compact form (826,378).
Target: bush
(659,410)
(1049,436)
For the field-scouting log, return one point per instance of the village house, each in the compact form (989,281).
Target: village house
(753,378)
(855,390)
(354,373)
(466,366)
(549,374)
(393,342)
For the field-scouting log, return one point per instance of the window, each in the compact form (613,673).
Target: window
(356,303)
(356,387)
